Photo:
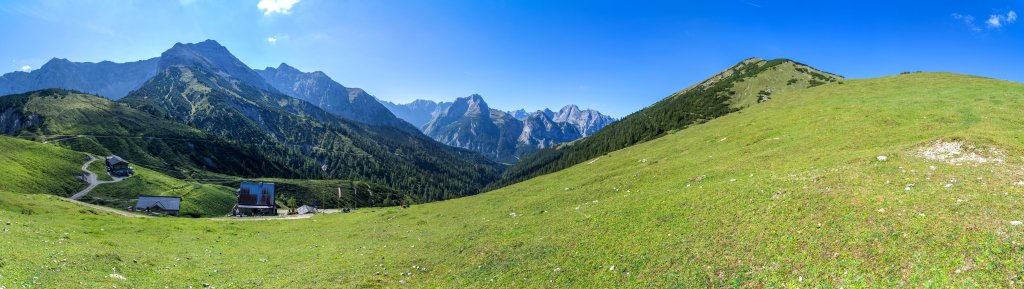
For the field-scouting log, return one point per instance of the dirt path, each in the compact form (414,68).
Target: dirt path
(91,179)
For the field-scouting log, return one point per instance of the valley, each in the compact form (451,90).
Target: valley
(734,201)
(511,144)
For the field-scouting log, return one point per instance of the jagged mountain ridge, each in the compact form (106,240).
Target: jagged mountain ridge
(116,80)
(470,123)
(108,79)
(319,89)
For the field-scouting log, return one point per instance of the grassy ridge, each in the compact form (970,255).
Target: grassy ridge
(748,82)
(786,194)
(30,167)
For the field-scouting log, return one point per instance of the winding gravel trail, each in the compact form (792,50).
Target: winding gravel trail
(91,179)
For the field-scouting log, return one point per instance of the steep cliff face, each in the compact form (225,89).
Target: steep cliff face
(540,131)
(12,120)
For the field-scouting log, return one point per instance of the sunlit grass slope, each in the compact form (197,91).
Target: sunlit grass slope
(786,194)
(34,168)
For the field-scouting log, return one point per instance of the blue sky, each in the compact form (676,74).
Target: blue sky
(615,56)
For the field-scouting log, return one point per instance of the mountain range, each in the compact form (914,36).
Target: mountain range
(249,126)
(504,136)
(109,79)
(319,89)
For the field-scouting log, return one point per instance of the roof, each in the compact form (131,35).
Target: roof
(254,207)
(162,202)
(113,160)
(256,194)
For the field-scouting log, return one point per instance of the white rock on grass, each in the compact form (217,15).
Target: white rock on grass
(1016,223)
(882,158)
(612,268)
(117,276)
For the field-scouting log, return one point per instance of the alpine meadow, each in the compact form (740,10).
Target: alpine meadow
(622,145)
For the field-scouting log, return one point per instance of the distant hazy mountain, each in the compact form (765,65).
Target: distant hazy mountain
(418,112)
(108,79)
(470,123)
(319,89)
(519,114)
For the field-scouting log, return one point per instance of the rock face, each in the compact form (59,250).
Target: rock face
(540,131)
(12,120)
(586,121)
(108,79)
(470,123)
(319,89)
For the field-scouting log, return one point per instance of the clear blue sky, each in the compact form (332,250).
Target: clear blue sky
(615,56)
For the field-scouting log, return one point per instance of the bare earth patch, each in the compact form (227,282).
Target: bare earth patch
(958,152)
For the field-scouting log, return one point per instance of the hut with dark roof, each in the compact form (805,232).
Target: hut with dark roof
(119,167)
(159,204)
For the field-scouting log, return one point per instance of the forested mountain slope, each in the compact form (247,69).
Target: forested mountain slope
(198,92)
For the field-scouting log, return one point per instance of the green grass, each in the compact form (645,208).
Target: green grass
(197,199)
(30,167)
(99,167)
(790,195)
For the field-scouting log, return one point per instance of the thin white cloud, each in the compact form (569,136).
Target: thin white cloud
(994,21)
(1000,20)
(967,20)
(26,68)
(272,40)
(276,6)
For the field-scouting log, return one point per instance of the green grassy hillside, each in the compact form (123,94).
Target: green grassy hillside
(196,199)
(746,83)
(787,194)
(35,168)
(93,124)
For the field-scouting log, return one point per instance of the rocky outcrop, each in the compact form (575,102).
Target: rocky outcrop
(586,121)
